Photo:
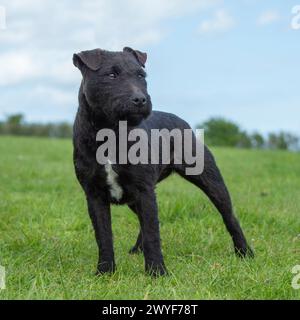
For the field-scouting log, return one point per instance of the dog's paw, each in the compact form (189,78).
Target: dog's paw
(136,250)
(246,252)
(105,268)
(155,269)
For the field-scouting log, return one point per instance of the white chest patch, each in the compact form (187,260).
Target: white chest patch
(116,191)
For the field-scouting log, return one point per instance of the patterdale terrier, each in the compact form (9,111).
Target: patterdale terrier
(114,89)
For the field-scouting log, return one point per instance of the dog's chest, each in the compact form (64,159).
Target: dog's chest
(116,191)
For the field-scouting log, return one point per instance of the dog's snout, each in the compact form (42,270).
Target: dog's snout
(138,99)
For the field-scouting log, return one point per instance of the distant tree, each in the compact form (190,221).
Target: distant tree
(222,132)
(15,119)
(257,140)
(65,130)
(13,124)
(244,140)
(283,140)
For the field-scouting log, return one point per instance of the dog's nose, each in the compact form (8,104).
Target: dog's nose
(138,99)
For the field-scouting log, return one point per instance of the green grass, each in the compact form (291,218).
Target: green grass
(48,248)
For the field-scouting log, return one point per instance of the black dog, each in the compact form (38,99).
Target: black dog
(113,89)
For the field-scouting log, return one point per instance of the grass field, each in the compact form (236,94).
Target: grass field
(48,249)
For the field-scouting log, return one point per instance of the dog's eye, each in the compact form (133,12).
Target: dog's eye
(112,75)
(141,76)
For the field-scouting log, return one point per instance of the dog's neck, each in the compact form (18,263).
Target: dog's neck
(95,122)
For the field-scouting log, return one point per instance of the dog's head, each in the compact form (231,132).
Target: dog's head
(114,84)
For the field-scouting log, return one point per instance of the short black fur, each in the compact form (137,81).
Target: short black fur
(114,88)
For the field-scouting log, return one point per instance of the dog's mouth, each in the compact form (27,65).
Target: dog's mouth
(135,116)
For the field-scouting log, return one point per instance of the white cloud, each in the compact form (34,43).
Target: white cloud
(2,18)
(39,102)
(56,96)
(220,22)
(41,36)
(268,17)
(16,67)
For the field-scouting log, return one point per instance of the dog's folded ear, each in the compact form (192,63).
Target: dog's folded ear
(140,56)
(89,58)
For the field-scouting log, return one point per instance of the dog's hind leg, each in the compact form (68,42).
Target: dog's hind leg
(212,184)
(138,247)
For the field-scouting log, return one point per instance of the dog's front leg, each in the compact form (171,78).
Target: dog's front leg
(146,208)
(99,212)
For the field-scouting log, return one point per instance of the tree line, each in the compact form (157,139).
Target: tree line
(218,132)
(222,132)
(15,125)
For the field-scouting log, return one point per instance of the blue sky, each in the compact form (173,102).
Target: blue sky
(238,59)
